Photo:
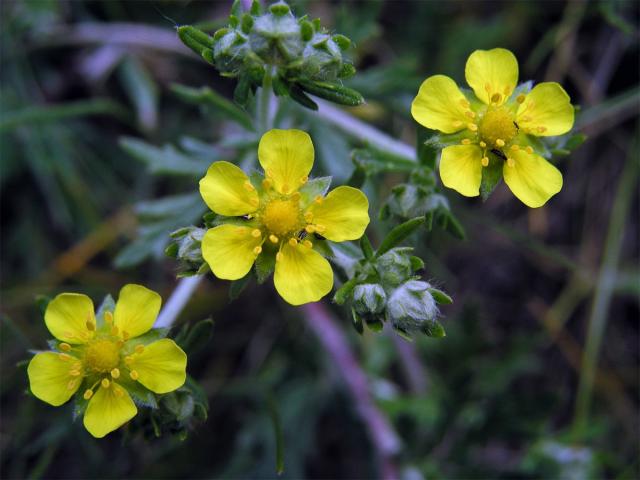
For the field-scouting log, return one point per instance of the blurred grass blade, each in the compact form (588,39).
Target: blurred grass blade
(206,97)
(142,92)
(277,431)
(54,113)
(166,160)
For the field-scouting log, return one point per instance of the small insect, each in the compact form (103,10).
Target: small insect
(302,234)
(247,217)
(517,126)
(499,153)
(318,236)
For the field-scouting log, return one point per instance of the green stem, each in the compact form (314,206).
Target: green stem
(264,103)
(604,291)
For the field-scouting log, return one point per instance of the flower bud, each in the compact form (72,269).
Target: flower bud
(394,267)
(411,306)
(276,39)
(369,298)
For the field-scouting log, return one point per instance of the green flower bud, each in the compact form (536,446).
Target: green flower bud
(369,298)
(229,51)
(322,58)
(276,39)
(394,267)
(411,306)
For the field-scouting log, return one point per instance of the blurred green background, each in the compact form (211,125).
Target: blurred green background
(545,300)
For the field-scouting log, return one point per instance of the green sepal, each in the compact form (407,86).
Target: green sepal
(196,337)
(398,234)
(440,297)
(256,8)
(314,187)
(491,176)
(246,23)
(195,39)
(298,95)
(332,92)
(433,328)
(367,249)
(347,70)
(140,395)
(207,55)
(374,324)
(356,322)
(237,286)
(306,30)
(107,305)
(417,263)
(344,292)
(265,265)
(42,301)
(343,42)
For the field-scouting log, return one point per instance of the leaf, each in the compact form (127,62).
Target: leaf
(274,415)
(205,96)
(440,297)
(491,176)
(333,92)
(197,336)
(344,292)
(373,161)
(166,160)
(398,234)
(195,39)
(433,328)
(238,286)
(142,92)
(365,245)
(264,266)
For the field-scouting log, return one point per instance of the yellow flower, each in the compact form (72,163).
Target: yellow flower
(279,216)
(500,121)
(105,358)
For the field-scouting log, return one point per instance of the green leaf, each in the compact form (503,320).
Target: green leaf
(373,161)
(197,336)
(366,247)
(433,328)
(357,322)
(344,292)
(195,39)
(166,160)
(205,96)
(169,206)
(440,297)
(332,92)
(142,92)
(238,286)
(398,234)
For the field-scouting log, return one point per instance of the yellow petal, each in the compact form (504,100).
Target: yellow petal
(108,410)
(227,191)
(344,213)
(67,315)
(287,158)
(493,74)
(546,111)
(302,275)
(161,366)
(531,178)
(228,249)
(50,380)
(439,105)
(136,310)
(461,169)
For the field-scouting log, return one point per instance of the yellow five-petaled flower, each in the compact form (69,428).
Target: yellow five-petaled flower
(106,359)
(276,216)
(496,122)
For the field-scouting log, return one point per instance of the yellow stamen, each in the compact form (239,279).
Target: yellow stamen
(74,373)
(257,250)
(295,196)
(507,91)
(500,142)
(125,335)
(256,233)
(320,228)
(88,393)
(457,123)
(318,199)
(114,330)
(485,161)
(90,325)
(472,126)
(108,317)
(496,97)
(115,373)
(71,385)
(134,374)
(515,148)
(139,348)
(465,103)
(470,114)
(248,186)
(511,162)
(64,356)
(304,179)
(266,184)
(308,216)
(483,145)
(307,244)
(293,242)
(529,149)
(273,238)
(64,347)
(105,383)
(465,141)
(520,98)
(310,229)
(278,256)
(128,359)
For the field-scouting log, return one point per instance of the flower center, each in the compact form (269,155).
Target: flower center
(102,355)
(281,216)
(497,127)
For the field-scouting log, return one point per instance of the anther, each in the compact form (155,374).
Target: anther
(268,173)
(304,179)
(541,129)
(529,149)
(500,142)
(255,202)
(128,359)
(470,114)
(496,97)
(457,123)
(247,186)
(74,373)
(278,256)
(108,317)
(483,145)
(125,335)
(487,87)
(511,162)
(520,98)
(105,383)
(320,228)
(310,229)
(507,91)
(266,184)
(64,356)
(318,199)
(114,330)
(273,238)
(293,242)
(88,393)
(485,161)
(118,392)
(65,347)
(307,244)
(257,250)
(308,216)
(465,103)
(515,148)
(115,373)
(90,325)
(472,126)
(465,141)
(139,348)
(256,233)
(295,196)
(134,374)
(71,385)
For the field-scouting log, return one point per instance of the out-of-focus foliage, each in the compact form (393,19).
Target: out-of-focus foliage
(89,190)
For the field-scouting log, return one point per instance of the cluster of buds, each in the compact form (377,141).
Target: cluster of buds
(185,246)
(298,56)
(387,288)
